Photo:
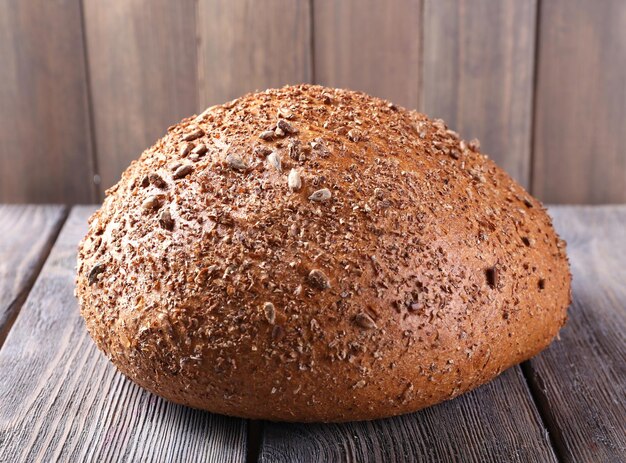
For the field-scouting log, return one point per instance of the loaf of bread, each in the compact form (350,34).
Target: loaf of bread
(313,254)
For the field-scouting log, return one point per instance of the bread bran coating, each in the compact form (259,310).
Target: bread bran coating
(315,254)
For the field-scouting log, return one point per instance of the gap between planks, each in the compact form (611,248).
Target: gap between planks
(542,406)
(254,439)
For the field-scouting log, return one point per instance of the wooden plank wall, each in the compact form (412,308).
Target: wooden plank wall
(85,88)
(369,45)
(46,151)
(478,72)
(580,113)
(141,54)
(247,45)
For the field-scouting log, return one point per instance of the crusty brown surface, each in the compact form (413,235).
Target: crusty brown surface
(398,268)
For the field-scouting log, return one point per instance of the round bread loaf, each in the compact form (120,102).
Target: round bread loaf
(313,254)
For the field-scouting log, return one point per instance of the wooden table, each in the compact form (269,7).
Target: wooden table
(60,399)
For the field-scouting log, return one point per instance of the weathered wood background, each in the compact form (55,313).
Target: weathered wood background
(86,85)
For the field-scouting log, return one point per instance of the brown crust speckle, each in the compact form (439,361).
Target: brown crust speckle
(232,287)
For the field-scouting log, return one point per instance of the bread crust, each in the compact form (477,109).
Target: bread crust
(314,254)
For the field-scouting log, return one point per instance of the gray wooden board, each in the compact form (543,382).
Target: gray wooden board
(478,65)
(580,102)
(26,236)
(581,380)
(369,45)
(45,135)
(248,45)
(142,69)
(495,423)
(62,400)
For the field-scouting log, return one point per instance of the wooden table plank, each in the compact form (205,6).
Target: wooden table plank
(62,399)
(495,423)
(581,381)
(26,236)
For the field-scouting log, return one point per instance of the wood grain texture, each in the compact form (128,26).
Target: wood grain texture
(581,380)
(478,74)
(248,45)
(142,67)
(495,423)
(45,141)
(26,236)
(369,45)
(62,400)
(580,141)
